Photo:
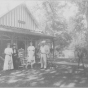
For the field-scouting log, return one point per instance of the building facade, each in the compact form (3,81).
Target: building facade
(19,26)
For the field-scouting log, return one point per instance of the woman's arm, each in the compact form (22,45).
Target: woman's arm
(11,51)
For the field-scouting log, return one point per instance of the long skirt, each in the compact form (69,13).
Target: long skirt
(31,57)
(8,63)
(15,62)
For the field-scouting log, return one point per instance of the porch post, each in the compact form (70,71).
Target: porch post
(25,47)
(12,39)
(53,49)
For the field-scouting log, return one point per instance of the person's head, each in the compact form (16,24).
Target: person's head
(14,45)
(31,44)
(43,43)
(8,45)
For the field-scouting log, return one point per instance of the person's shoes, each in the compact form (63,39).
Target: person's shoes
(42,68)
(45,68)
(51,68)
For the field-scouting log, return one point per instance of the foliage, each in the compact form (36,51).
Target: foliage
(81,24)
(56,22)
(64,18)
(63,40)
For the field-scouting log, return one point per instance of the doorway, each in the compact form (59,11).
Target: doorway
(20,44)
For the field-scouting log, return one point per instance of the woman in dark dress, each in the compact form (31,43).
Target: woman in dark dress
(15,57)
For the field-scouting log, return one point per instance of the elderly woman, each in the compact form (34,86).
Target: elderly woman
(8,62)
(15,56)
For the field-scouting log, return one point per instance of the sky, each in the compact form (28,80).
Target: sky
(70,10)
(7,5)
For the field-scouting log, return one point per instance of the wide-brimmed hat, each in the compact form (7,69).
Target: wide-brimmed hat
(14,44)
(43,42)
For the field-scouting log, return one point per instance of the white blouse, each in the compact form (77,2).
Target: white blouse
(8,51)
(31,48)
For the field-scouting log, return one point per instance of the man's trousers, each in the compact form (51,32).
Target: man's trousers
(43,60)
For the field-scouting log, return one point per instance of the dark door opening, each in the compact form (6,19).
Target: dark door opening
(21,44)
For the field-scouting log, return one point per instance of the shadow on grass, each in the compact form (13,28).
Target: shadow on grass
(62,76)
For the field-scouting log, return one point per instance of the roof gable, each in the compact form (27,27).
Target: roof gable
(19,17)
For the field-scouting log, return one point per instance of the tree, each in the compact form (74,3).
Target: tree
(81,23)
(54,21)
(63,40)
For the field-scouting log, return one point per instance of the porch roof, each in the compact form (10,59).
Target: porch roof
(24,31)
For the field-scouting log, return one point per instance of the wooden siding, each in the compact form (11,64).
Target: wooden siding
(19,17)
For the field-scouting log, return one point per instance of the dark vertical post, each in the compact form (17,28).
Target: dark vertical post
(53,48)
(25,45)
(12,38)
(35,44)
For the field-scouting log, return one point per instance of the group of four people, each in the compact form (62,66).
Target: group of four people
(11,56)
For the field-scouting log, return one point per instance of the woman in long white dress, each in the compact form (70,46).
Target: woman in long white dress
(8,63)
(31,55)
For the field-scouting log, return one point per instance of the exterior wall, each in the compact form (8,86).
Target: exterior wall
(19,18)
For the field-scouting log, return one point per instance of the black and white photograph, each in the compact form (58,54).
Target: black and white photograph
(44,43)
